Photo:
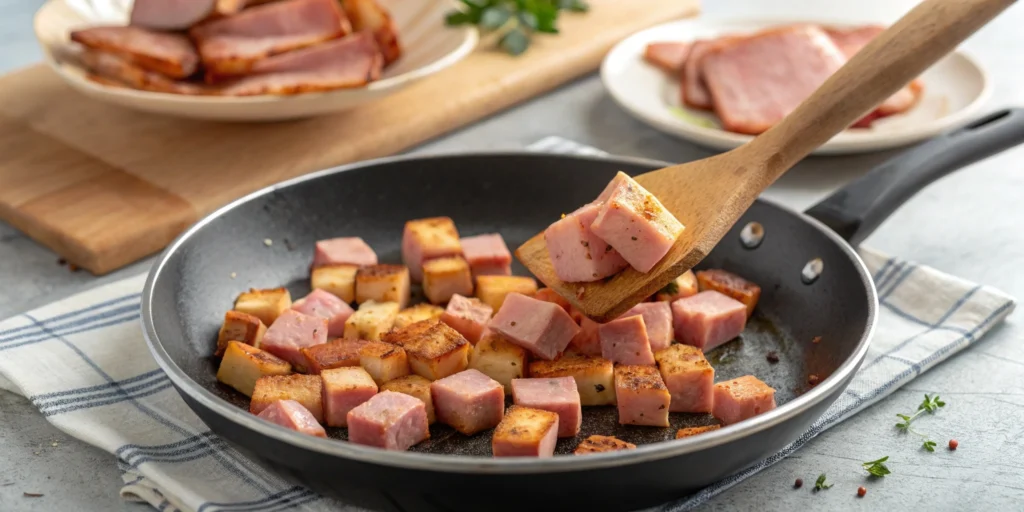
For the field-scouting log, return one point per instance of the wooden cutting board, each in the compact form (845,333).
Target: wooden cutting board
(104,186)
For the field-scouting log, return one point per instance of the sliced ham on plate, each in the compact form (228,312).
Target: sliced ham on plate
(170,14)
(669,56)
(370,15)
(106,67)
(352,61)
(170,54)
(693,90)
(232,45)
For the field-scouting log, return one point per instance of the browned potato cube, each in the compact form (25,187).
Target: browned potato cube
(417,313)
(600,444)
(371,320)
(435,350)
(427,239)
(241,327)
(692,431)
(304,389)
(493,289)
(337,279)
(264,304)
(383,283)
(595,377)
(445,277)
(244,364)
(333,354)
(384,361)
(414,386)
(525,432)
(499,359)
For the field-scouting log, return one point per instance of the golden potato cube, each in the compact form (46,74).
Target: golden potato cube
(417,313)
(384,361)
(371,320)
(304,389)
(414,386)
(493,289)
(525,431)
(264,304)
(244,364)
(692,431)
(595,377)
(241,327)
(499,359)
(601,444)
(435,350)
(337,279)
(383,283)
(426,239)
(445,277)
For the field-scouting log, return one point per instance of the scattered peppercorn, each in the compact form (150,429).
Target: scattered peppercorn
(861,491)
(62,261)
(953,444)
(799,483)
(813,380)
(772,357)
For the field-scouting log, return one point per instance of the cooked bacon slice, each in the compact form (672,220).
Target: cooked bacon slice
(669,56)
(850,41)
(170,54)
(352,61)
(370,15)
(108,66)
(231,45)
(756,81)
(170,14)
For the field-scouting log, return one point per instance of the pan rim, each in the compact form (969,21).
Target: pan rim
(495,465)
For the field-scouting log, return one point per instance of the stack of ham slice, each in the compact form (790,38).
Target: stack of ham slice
(752,82)
(242,47)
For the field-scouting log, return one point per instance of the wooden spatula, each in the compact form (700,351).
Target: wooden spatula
(708,196)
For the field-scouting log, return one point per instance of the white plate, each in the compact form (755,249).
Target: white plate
(954,89)
(428,47)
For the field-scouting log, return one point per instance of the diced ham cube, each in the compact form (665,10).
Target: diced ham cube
(689,377)
(291,414)
(558,395)
(742,398)
(487,255)
(468,316)
(601,444)
(389,420)
(732,285)
(636,225)
(588,341)
(349,250)
(468,401)
(344,389)
(541,327)
(595,378)
(549,295)
(292,332)
(577,253)
(525,432)
(657,320)
(682,286)
(427,239)
(322,304)
(641,395)
(692,431)
(624,341)
(414,386)
(708,319)
(335,354)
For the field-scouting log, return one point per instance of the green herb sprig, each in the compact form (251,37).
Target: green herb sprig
(820,485)
(514,20)
(877,467)
(929,405)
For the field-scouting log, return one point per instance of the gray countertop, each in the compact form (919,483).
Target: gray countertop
(967,224)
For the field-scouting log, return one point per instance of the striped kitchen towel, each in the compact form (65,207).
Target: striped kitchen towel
(82,361)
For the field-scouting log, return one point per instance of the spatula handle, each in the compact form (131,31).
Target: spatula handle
(896,56)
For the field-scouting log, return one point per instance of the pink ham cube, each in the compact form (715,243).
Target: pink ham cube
(708,319)
(350,250)
(641,396)
(291,414)
(742,398)
(689,377)
(588,341)
(389,420)
(624,341)
(636,225)
(577,253)
(292,332)
(468,316)
(345,388)
(543,328)
(657,320)
(558,395)
(487,255)
(468,401)
(320,303)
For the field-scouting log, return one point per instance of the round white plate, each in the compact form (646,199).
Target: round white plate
(954,89)
(428,46)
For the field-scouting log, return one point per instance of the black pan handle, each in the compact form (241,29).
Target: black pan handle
(855,210)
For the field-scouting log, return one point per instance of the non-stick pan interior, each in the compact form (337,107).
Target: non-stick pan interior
(268,242)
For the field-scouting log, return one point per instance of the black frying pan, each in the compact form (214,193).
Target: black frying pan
(519,194)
